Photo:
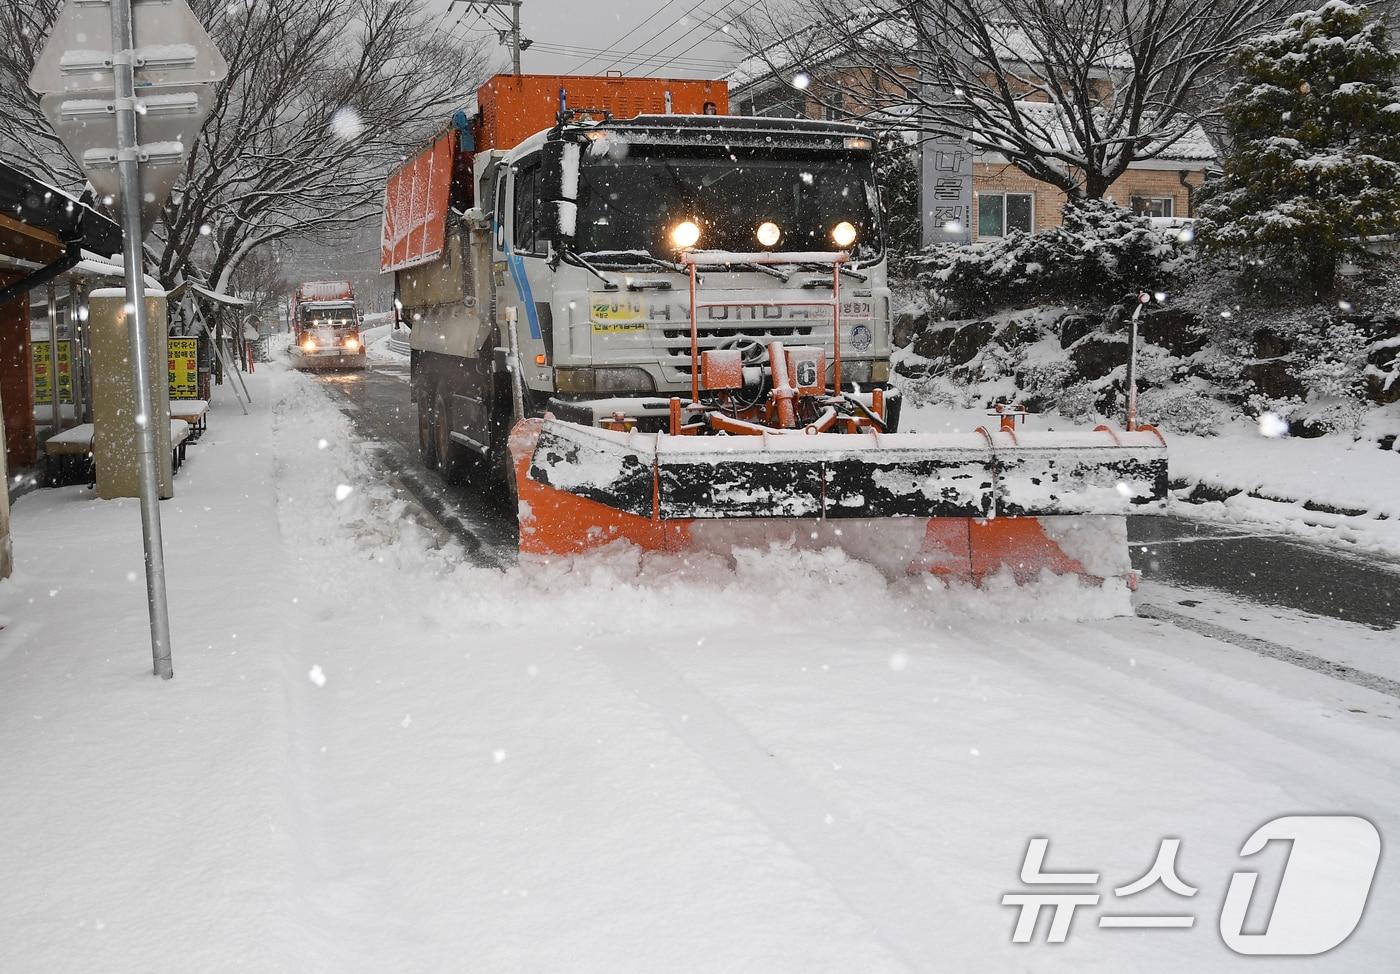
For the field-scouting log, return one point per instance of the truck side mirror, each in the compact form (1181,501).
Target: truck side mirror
(559,171)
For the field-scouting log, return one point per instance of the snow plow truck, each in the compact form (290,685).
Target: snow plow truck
(326,327)
(655,322)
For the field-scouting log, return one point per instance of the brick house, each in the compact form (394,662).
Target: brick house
(1004,197)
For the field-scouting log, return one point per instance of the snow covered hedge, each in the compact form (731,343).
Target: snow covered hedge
(1100,252)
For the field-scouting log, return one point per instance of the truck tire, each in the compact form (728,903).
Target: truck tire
(427,439)
(452,457)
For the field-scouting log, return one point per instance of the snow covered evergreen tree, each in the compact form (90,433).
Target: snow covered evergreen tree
(1314,164)
(897,169)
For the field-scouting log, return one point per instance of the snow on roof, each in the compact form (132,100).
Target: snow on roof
(820,48)
(204,292)
(1193,144)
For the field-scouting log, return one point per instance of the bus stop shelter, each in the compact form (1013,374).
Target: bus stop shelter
(44,233)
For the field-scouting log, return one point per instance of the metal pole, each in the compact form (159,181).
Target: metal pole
(517,371)
(1143,298)
(55,400)
(129,175)
(76,332)
(515,34)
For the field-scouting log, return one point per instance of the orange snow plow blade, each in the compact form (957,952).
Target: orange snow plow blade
(786,454)
(913,504)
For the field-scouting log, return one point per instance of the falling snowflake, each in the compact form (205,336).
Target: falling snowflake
(317,676)
(801,80)
(346,124)
(343,491)
(498,755)
(1273,425)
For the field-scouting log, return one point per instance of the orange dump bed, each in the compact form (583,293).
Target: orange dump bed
(512,108)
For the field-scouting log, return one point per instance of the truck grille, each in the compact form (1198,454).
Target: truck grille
(674,342)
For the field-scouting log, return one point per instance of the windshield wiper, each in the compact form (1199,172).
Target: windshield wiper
(745,265)
(636,255)
(855,275)
(572,257)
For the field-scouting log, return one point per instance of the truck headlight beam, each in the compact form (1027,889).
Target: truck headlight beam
(685,234)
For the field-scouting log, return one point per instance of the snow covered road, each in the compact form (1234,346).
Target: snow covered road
(379,755)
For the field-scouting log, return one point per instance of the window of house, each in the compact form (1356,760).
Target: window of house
(1000,213)
(1152,205)
(526,223)
(834,108)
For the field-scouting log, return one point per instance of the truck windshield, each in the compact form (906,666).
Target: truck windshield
(337,317)
(633,200)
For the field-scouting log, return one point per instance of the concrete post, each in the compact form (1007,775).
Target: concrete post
(116,449)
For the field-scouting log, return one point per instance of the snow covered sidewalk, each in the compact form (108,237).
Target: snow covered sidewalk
(1331,489)
(378,756)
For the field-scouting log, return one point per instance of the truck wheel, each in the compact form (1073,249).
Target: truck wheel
(427,440)
(451,456)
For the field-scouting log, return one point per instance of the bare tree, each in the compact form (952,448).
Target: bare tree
(1068,91)
(322,98)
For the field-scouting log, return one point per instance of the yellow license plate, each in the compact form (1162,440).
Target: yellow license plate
(610,309)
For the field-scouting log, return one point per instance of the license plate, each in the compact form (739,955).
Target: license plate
(610,309)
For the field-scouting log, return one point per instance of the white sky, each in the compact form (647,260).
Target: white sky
(640,37)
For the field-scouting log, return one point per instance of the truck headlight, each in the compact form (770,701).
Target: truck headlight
(685,234)
(616,379)
(843,234)
(855,370)
(623,380)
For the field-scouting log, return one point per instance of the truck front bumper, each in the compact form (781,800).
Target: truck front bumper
(328,358)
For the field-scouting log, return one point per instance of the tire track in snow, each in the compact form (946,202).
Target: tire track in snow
(1179,690)
(1273,650)
(902,907)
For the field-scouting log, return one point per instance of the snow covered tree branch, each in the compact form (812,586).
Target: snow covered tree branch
(321,99)
(1071,92)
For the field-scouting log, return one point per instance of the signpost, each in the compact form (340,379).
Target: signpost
(945,190)
(94,80)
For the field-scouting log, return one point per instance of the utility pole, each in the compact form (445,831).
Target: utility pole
(515,34)
(517,44)
(129,174)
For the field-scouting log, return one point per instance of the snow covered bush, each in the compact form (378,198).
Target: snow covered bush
(1100,252)
(1314,158)
(1185,408)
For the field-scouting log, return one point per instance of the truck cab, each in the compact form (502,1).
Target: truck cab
(326,327)
(580,251)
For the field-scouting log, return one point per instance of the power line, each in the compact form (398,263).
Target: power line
(622,39)
(653,37)
(702,40)
(637,60)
